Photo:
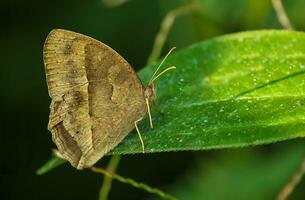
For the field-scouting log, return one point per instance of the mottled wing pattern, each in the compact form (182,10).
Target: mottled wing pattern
(96,96)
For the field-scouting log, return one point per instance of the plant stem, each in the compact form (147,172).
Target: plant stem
(134,183)
(281,14)
(166,25)
(107,182)
(291,185)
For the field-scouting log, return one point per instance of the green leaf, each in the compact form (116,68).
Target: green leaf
(52,163)
(232,91)
(237,90)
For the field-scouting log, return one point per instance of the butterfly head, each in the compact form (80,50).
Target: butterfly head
(150,92)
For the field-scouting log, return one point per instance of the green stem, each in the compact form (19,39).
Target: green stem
(107,182)
(132,182)
(281,14)
(291,185)
(166,26)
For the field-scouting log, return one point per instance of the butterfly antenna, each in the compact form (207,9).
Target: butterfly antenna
(163,72)
(152,77)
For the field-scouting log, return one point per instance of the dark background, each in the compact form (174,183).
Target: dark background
(130,29)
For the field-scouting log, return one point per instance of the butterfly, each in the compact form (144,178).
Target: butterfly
(97,97)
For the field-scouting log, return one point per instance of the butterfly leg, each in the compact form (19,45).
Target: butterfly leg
(139,134)
(149,113)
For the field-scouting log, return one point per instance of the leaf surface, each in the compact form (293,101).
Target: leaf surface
(237,90)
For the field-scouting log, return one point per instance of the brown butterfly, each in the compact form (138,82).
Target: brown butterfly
(97,97)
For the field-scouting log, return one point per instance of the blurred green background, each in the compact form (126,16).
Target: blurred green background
(252,173)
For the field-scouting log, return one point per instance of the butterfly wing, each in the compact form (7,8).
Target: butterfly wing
(96,96)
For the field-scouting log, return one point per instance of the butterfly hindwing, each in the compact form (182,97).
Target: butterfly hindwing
(96,96)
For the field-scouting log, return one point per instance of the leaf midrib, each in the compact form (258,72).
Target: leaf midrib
(261,98)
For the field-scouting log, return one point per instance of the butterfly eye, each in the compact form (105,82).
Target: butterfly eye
(148,93)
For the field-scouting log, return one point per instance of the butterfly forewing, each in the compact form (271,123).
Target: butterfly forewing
(96,96)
